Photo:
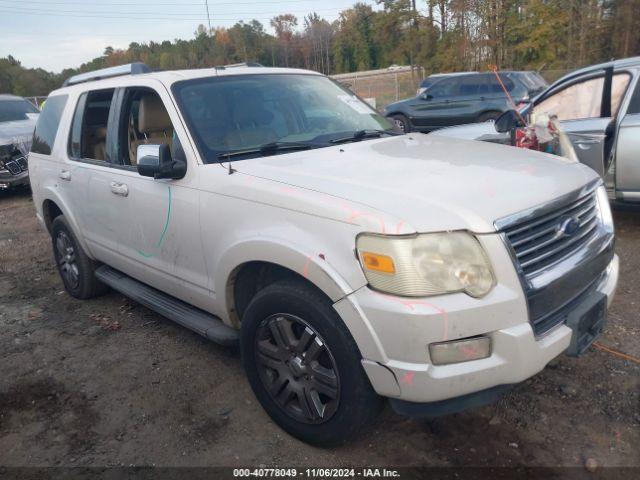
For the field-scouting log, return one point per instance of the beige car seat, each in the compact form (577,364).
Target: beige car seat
(154,125)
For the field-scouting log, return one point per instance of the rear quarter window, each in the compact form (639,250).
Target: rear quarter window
(47,124)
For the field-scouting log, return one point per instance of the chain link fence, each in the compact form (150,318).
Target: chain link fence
(382,87)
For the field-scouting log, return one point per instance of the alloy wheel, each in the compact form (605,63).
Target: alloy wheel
(399,124)
(66,257)
(297,368)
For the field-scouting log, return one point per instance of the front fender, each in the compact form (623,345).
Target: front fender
(320,268)
(315,266)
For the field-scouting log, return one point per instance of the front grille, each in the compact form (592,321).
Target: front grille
(16,165)
(540,242)
(549,320)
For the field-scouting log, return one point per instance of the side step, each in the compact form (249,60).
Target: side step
(180,312)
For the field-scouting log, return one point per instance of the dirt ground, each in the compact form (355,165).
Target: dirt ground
(107,382)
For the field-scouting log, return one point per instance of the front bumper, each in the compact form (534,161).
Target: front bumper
(7,180)
(394,333)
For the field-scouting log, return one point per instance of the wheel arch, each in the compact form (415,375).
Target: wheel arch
(490,110)
(53,206)
(253,264)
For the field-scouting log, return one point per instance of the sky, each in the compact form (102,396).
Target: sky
(58,34)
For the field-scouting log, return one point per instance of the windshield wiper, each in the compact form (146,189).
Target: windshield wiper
(265,149)
(362,134)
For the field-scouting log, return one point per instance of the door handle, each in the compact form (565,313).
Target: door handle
(65,175)
(119,189)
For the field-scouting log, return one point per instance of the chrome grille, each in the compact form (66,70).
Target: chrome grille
(541,241)
(16,165)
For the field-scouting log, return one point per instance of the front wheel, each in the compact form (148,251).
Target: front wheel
(304,366)
(401,122)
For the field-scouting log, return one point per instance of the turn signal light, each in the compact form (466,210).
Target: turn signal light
(457,351)
(378,263)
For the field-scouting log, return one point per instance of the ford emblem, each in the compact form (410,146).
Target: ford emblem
(567,226)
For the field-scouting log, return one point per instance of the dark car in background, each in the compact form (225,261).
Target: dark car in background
(457,99)
(17,121)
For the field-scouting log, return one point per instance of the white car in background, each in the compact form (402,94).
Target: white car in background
(273,208)
(599,109)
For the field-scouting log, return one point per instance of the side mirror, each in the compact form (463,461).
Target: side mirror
(155,161)
(508,121)
(426,96)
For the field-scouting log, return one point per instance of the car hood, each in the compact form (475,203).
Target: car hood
(428,182)
(484,131)
(18,131)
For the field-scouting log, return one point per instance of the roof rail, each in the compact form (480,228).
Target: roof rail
(235,65)
(129,69)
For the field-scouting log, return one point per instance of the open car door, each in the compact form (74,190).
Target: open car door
(627,148)
(587,106)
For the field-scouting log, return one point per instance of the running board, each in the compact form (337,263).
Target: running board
(180,312)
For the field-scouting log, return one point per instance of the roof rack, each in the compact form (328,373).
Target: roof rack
(235,65)
(129,69)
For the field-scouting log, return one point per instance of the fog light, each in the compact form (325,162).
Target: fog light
(460,350)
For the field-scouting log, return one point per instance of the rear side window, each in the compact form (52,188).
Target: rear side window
(89,130)
(634,106)
(471,85)
(47,124)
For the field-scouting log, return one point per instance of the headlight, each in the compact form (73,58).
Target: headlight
(605,208)
(428,264)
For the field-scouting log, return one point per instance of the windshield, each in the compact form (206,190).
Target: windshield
(12,110)
(245,112)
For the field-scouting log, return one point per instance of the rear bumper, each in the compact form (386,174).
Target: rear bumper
(7,180)
(403,329)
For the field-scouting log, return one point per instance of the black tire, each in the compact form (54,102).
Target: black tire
(486,116)
(355,405)
(76,269)
(401,122)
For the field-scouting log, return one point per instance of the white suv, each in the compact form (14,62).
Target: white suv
(273,208)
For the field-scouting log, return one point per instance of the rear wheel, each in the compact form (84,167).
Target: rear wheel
(401,122)
(304,366)
(76,269)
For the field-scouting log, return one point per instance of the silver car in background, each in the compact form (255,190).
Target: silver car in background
(599,108)
(17,121)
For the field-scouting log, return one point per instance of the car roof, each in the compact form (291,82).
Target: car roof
(169,77)
(451,74)
(615,64)
(8,96)
(461,74)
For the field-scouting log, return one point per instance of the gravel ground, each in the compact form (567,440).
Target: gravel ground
(107,382)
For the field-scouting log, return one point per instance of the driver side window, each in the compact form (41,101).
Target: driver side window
(144,121)
(444,88)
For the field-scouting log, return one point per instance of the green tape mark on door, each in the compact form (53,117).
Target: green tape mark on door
(164,230)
